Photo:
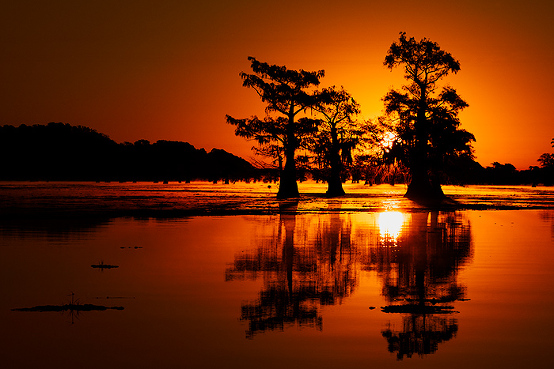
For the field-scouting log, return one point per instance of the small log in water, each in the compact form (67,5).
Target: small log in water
(69,307)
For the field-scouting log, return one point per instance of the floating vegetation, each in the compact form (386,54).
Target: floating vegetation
(115,297)
(73,306)
(418,309)
(69,307)
(103,266)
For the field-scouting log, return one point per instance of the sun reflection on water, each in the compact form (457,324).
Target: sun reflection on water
(390,226)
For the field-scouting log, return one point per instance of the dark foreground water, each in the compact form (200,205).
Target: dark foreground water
(386,287)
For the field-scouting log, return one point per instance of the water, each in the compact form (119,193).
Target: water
(339,286)
(41,199)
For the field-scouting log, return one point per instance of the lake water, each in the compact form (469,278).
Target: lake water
(39,199)
(344,283)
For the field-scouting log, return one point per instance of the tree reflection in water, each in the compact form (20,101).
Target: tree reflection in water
(309,261)
(419,273)
(548,216)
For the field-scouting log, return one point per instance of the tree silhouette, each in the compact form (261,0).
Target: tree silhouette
(338,135)
(426,120)
(286,93)
(546,161)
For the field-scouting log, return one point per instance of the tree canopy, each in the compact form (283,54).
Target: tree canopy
(424,117)
(337,136)
(546,172)
(287,93)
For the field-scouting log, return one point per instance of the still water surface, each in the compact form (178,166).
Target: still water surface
(32,199)
(381,289)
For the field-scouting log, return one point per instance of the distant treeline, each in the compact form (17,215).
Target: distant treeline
(60,151)
(464,171)
(507,174)
(469,172)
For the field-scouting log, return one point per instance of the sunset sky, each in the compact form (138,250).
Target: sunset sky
(170,69)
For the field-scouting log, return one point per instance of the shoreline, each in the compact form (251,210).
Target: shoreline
(161,208)
(39,200)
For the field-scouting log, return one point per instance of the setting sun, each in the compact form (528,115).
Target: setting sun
(388,140)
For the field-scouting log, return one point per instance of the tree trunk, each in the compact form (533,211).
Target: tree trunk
(289,222)
(334,187)
(287,185)
(422,187)
(334,182)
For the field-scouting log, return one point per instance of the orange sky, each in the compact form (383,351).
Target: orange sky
(169,69)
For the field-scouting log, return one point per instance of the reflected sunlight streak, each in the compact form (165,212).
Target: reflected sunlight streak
(390,226)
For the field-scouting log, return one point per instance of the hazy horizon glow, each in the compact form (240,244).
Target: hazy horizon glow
(169,70)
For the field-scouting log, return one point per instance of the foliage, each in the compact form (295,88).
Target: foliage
(337,136)
(547,160)
(286,93)
(281,88)
(546,172)
(423,116)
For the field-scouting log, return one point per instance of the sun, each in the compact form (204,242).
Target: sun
(390,226)
(388,140)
